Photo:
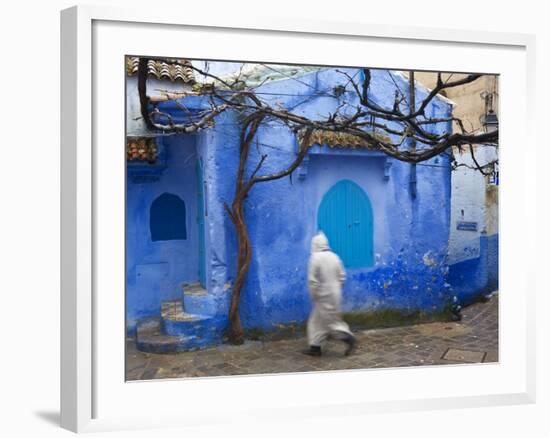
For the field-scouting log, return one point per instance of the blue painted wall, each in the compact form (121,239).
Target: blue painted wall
(477,276)
(410,233)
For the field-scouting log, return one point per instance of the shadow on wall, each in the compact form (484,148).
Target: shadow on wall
(473,278)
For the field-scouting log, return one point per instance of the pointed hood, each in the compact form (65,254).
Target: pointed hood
(319,243)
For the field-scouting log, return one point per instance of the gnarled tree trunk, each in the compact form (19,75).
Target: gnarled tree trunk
(243,264)
(236,213)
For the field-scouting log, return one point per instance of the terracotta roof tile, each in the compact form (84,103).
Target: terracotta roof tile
(175,70)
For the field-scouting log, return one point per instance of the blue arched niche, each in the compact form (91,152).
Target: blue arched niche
(345,216)
(167,218)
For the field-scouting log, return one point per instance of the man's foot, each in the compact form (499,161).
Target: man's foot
(352,343)
(313,351)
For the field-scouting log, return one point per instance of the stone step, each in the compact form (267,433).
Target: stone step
(196,300)
(150,339)
(204,329)
(194,289)
(173,310)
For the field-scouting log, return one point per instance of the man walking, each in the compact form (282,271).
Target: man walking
(326,276)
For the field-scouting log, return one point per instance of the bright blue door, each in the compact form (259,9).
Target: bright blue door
(345,216)
(200,222)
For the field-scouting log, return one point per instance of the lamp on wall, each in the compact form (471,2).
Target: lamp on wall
(489,120)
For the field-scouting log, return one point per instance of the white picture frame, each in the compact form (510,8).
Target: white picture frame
(83,370)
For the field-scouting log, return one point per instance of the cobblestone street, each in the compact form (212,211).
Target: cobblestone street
(474,339)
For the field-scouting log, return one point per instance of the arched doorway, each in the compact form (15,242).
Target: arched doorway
(345,216)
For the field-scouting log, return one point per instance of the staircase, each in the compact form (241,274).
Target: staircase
(186,324)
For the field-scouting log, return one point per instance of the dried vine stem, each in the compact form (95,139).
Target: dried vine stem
(237,214)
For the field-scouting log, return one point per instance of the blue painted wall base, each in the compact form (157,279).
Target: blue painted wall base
(474,278)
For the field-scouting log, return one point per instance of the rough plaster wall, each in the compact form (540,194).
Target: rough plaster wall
(468,200)
(218,148)
(473,200)
(490,207)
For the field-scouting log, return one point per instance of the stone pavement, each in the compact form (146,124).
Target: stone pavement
(474,339)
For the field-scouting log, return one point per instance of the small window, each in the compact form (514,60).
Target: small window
(168,218)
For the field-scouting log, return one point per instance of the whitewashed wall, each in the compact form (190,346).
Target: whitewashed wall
(473,199)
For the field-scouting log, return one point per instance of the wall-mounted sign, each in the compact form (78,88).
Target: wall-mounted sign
(494,176)
(466,226)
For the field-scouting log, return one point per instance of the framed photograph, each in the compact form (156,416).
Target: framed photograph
(252,209)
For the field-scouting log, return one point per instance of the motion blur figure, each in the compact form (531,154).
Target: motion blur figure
(326,276)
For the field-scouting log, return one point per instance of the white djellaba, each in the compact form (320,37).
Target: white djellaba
(326,276)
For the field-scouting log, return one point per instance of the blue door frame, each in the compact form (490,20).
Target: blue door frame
(200,222)
(345,216)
